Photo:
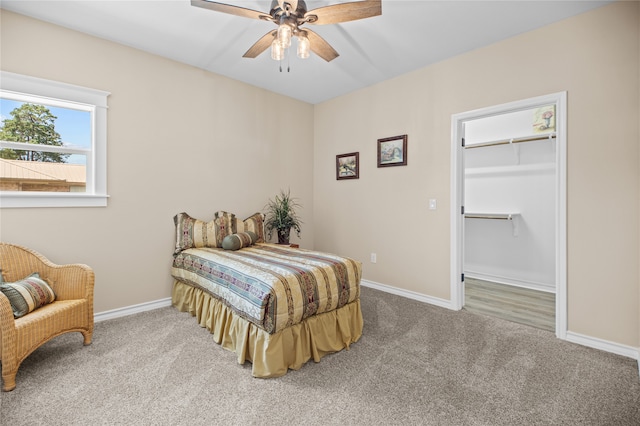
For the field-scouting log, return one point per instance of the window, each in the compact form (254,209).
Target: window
(53,144)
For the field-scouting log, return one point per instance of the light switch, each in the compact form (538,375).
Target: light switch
(432,204)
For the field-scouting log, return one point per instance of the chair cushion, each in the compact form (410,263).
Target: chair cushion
(28,294)
(53,318)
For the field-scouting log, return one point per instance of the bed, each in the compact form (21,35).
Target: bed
(275,306)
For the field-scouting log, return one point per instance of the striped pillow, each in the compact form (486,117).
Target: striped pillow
(195,233)
(192,232)
(28,294)
(255,223)
(225,225)
(239,240)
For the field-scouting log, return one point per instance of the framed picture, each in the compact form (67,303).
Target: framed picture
(348,166)
(544,119)
(392,151)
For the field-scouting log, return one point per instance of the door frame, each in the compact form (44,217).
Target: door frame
(457,197)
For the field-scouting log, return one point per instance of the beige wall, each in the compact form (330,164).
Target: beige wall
(595,57)
(171,123)
(179,139)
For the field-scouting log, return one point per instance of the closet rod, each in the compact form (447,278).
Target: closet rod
(499,216)
(511,217)
(514,140)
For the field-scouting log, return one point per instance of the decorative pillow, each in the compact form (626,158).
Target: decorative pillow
(195,233)
(255,223)
(239,240)
(28,294)
(225,225)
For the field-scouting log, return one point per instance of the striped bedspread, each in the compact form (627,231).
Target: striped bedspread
(271,285)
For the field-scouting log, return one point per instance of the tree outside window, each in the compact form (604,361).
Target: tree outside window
(32,124)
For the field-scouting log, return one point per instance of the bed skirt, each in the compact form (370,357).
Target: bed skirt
(271,355)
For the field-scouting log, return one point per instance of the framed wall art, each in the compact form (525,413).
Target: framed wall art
(544,119)
(392,151)
(348,166)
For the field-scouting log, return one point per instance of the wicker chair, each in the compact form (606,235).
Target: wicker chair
(71,311)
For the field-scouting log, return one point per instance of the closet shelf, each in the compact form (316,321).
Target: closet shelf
(524,169)
(503,216)
(512,217)
(513,142)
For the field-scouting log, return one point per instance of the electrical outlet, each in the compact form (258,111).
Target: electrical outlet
(433,204)
(373,258)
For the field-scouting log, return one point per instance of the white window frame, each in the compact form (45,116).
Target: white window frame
(87,99)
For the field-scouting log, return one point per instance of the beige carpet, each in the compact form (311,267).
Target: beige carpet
(416,364)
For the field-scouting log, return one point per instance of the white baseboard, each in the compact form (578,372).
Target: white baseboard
(130,310)
(604,345)
(532,285)
(408,294)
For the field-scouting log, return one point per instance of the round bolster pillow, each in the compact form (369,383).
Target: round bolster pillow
(239,240)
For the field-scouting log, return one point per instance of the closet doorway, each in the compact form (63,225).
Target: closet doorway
(508,212)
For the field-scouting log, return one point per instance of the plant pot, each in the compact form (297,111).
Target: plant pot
(283,236)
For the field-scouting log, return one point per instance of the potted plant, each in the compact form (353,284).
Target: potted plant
(281,216)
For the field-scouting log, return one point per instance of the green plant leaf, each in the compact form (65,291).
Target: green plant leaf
(281,213)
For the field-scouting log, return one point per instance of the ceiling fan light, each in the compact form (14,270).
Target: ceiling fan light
(284,35)
(277,51)
(304,47)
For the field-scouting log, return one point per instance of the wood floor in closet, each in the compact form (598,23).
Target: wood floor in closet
(517,304)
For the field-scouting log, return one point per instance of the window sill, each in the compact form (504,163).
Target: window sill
(27,200)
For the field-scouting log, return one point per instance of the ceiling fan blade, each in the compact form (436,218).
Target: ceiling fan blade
(345,12)
(261,45)
(320,47)
(232,10)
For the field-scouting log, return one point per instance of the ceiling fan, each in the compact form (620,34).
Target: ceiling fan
(290,15)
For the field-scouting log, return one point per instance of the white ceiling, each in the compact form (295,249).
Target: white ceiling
(410,34)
